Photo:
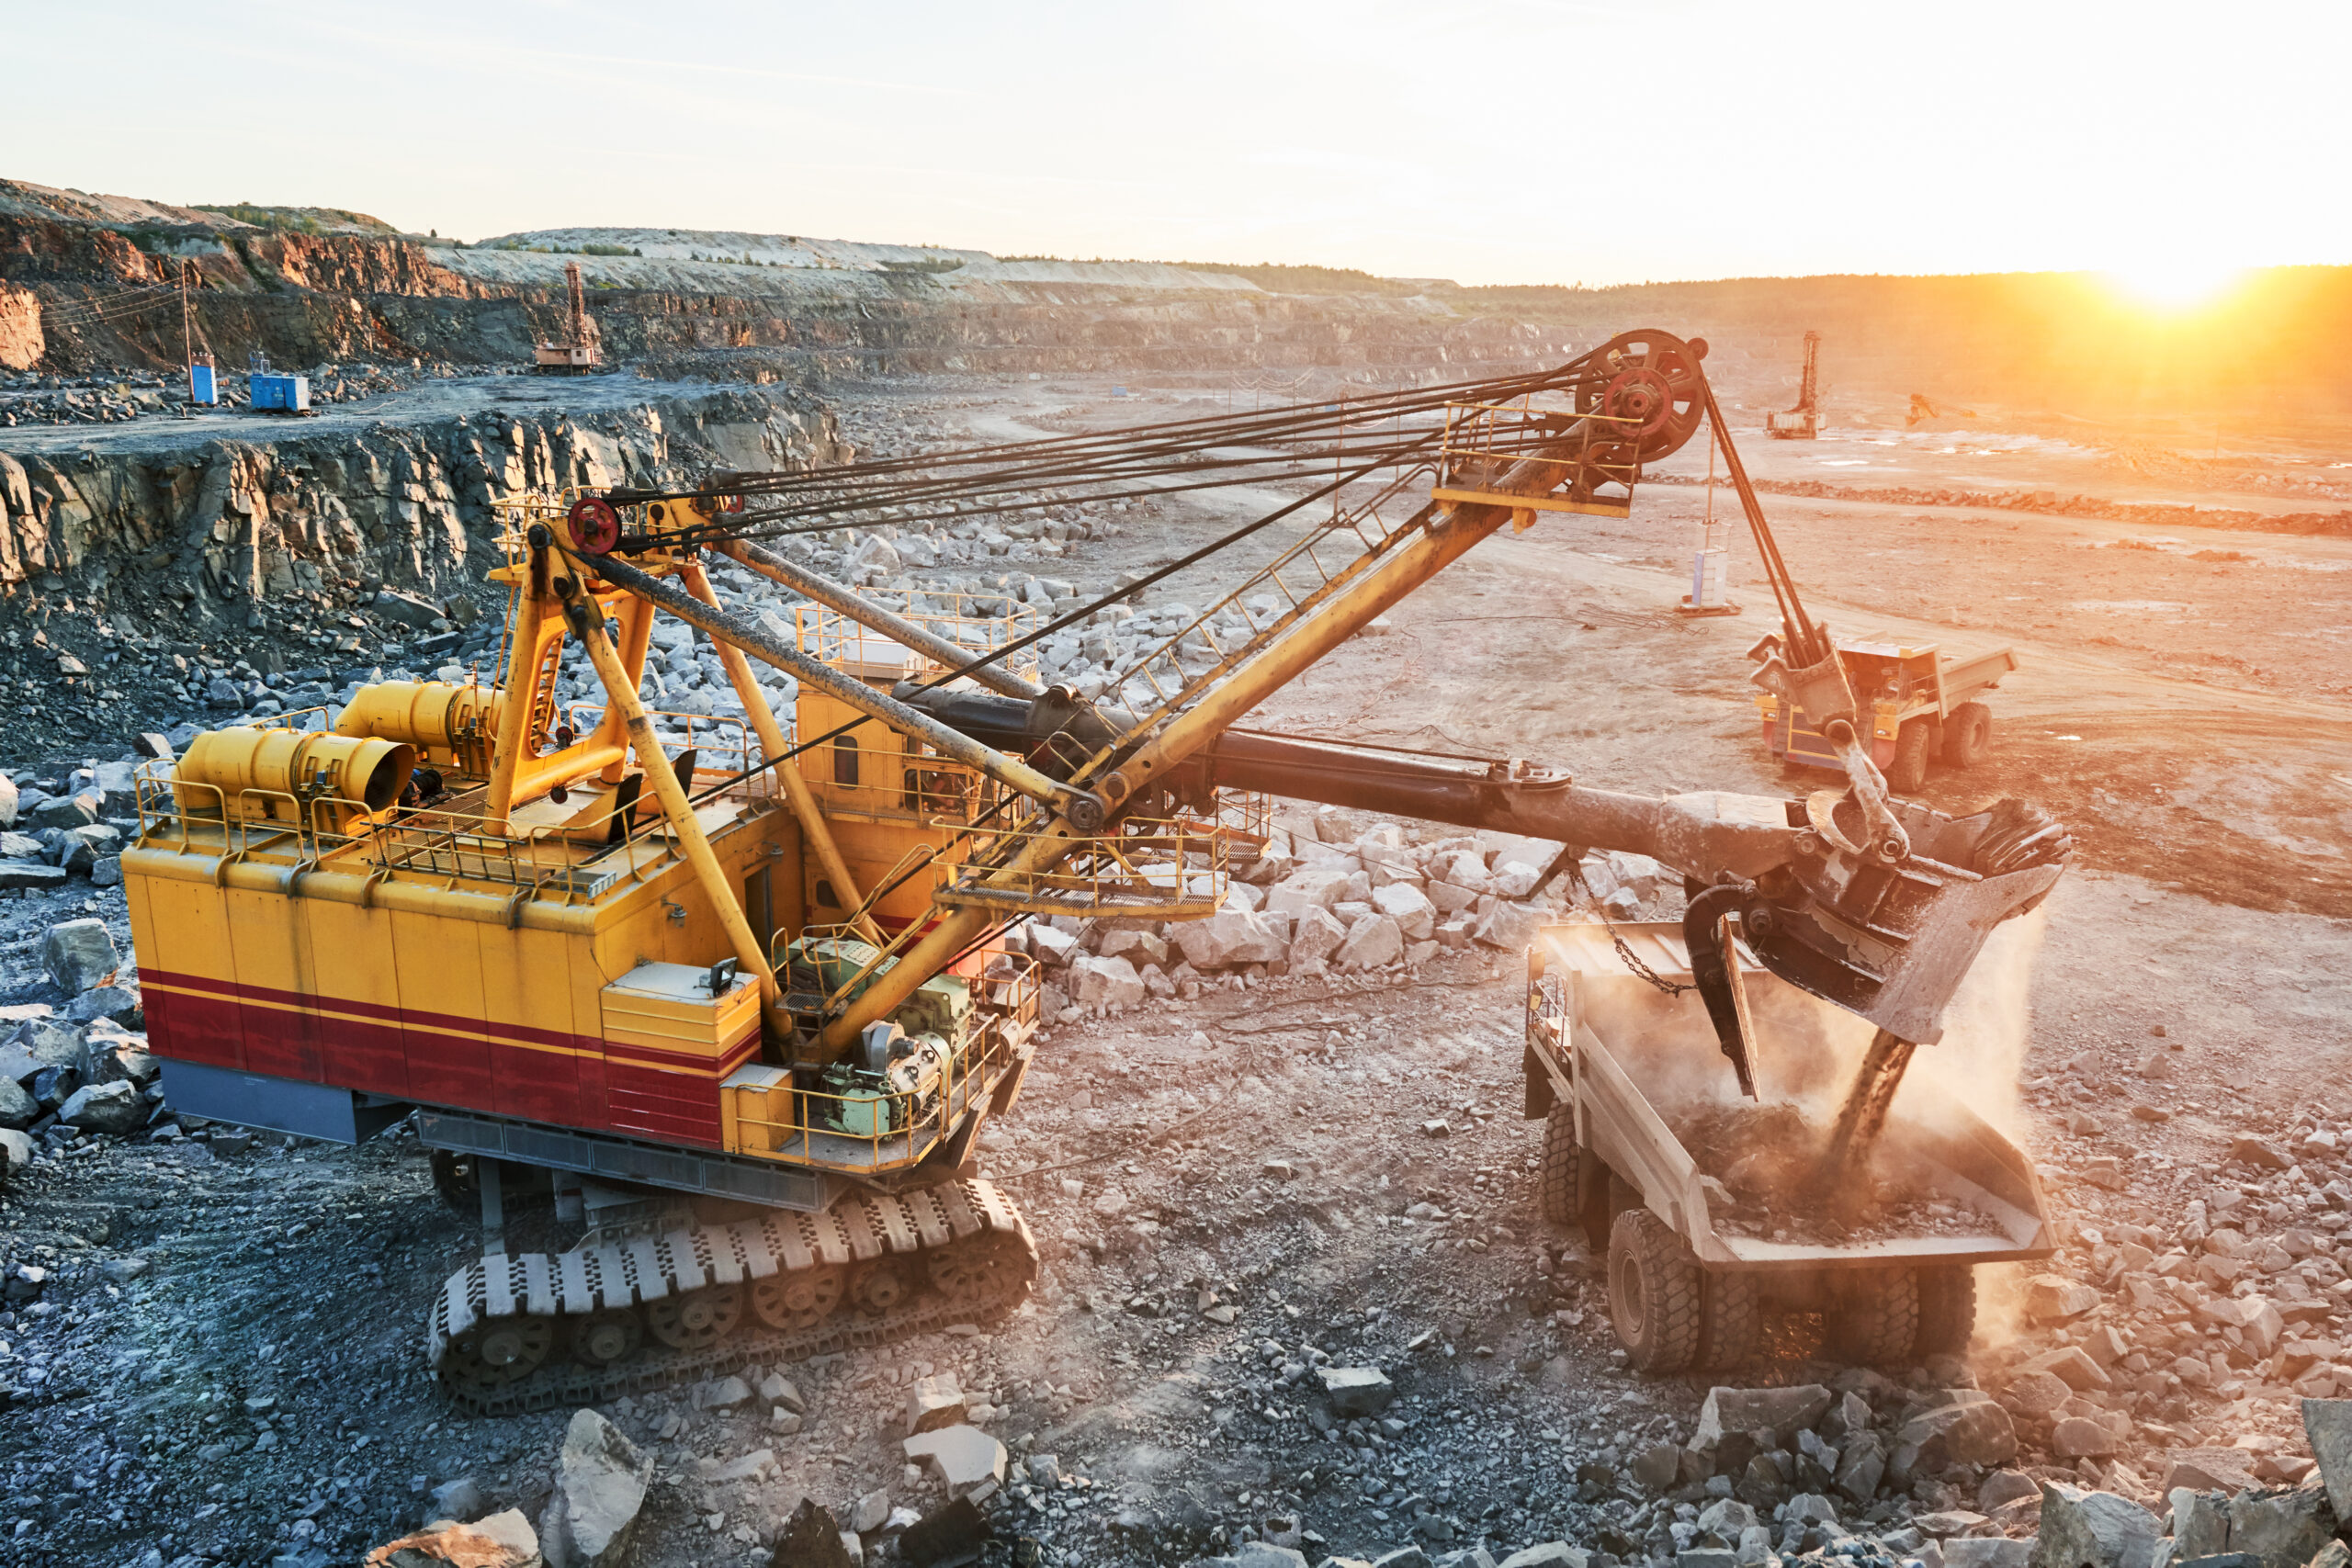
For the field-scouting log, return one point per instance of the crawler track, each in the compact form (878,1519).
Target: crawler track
(535,1330)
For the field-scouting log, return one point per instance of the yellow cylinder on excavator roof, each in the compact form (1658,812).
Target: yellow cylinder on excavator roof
(281,766)
(423,713)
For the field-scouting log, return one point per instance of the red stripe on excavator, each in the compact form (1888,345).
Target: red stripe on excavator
(534,1074)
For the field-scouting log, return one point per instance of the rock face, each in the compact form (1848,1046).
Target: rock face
(600,1487)
(184,538)
(21,343)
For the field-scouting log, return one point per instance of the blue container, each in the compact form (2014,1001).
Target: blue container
(201,389)
(281,394)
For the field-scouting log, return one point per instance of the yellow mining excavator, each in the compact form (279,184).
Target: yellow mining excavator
(747,971)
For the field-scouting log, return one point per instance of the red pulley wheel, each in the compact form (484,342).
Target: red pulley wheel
(595,526)
(1643,395)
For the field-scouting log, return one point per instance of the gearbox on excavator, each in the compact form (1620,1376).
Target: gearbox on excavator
(740,980)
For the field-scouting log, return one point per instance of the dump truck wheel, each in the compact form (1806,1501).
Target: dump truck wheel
(1947,1310)
(1558,1188)
(1908,775)
(1654,1292)
(1968,735)
(1731,1320)
(1874,1318)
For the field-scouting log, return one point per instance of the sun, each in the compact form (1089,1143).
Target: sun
(2173,283)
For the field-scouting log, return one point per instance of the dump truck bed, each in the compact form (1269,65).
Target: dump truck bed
(1616,1049)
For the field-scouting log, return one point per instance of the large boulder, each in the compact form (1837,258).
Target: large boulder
(964,1457)
(1515,878)
(2253,1316)
(1315,888)
(1409,908)
(1227,938)
(2053,1298)
(502,1540)
(1511,926)
(123,1004)
(813,1537)
(1356,1391)
(1860,1467)
(934,1403)
(2284,1529)
(1103,982)
(2328,1424)
(80,955)
(600,1487)
(1465,870)
(1968,1431)
(55,1042)
(1136,945)
(2071,1365)
(2209,1470)
(1787,1411)
(17,1108)
(1051,945)
(104,1107)
(1316,936)
(2093,1529)
(1371,942)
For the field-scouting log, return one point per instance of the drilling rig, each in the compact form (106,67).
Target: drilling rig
(1801,422)
(754,971)
(580,352)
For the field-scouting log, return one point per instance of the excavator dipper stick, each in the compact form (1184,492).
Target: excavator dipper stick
(1840,1180)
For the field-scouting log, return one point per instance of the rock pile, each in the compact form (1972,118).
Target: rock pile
(1367,902)
(2188,1315)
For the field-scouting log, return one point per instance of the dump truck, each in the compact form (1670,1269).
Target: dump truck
(1608,1061)
(738,991)
(1924,710)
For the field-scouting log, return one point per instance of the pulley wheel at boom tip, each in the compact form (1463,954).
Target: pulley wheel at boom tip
(594,524)
(1673,362)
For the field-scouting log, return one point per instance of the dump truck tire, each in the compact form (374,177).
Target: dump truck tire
(1873,1319)
(1731,1320)
(1908,775)
(1654,1293)
(1968,735)
(1947,1310)
(1560,1190)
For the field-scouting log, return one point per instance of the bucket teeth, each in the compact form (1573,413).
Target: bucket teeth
(537,1287)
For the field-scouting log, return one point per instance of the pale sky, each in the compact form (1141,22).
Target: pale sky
(1516,141)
